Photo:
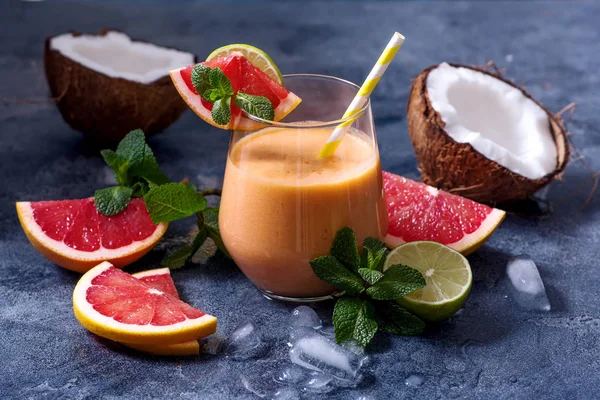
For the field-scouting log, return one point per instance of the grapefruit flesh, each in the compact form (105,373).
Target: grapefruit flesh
(74,235)
(120,307)
(417,212)
(244,77)
(160,279)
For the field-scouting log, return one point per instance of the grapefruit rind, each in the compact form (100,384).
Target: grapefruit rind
(468,243)
(189,348)
(82,261)
(107,327)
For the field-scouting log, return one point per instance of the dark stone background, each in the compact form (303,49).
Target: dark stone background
(493,350)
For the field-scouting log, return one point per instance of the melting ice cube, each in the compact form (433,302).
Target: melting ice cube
(320,354)
(318,383)
(291,374)
(245,342)
(527,288)
(212,345)
(305,316)
(286,393)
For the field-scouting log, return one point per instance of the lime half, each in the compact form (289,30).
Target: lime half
(256,56)
(446,272)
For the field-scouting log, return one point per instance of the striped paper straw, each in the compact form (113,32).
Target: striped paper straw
(363,94)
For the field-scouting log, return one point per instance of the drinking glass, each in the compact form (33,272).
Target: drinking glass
(281,205)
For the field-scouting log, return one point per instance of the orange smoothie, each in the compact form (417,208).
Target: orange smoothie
(281,205)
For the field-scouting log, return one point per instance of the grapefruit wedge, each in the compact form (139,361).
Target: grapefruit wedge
(243,76)
(74,235)
(115,305)
(418,212)
(160,279)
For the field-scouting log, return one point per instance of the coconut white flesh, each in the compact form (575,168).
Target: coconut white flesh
(117,56)
(495,118)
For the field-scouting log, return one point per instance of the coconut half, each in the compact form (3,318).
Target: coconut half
(108,84)
(480,136)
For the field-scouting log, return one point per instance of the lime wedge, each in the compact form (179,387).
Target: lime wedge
(446,272)
(256,56)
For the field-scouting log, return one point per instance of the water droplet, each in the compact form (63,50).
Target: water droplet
(414,381)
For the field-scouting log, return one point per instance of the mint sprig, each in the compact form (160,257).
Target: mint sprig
(368,303)
(213,86)
(139,176)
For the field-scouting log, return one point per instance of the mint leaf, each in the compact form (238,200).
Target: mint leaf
(344,249)
(141,160)
(219,81)
(200,78)
(221,112)
(259,106)
(112,200)
(398,281)
(180,257)
(370,275)
(173,201)
(374,254)
(118,164)
(140,189)
(212,95)
(354,320)
(396,320)
(211,224)
(330,270)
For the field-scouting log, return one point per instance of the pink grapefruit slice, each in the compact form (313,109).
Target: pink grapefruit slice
(74,235)
(419,212)
(115,305)
(160,279)
(243,76)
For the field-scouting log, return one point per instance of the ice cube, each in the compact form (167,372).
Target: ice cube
(318,383)
(258,380)
(212,345)
(526,285)
(291,374)
(414,381)
(245,342)
(300,332)
(305,316)
(286,393)
(320,354)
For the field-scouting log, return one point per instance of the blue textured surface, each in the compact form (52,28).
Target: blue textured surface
(493,350)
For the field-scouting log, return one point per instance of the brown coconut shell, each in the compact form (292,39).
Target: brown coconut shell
(458,167)
(104,108)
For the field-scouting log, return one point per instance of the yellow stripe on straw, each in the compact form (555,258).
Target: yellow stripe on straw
(363,94)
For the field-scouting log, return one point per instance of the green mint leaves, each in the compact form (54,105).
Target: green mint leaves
(112,200)
(138,175)
(213,86)
(354,320)
(397,282)
(221,112)
(368,304)
(135,169)
(173,201)
(330,270)
(255,105)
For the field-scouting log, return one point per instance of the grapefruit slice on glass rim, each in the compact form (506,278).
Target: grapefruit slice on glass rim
(419,212)
(115,305)
(74,235)
(160,279)
(243,76)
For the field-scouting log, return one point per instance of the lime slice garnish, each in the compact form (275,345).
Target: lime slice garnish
(256,56)
(446,272)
